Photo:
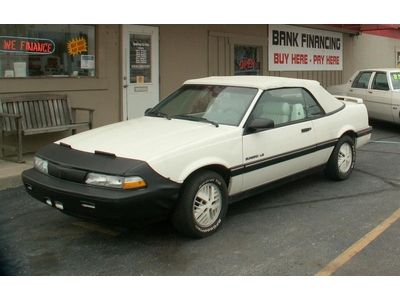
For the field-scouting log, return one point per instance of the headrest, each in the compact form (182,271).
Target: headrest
(279,108)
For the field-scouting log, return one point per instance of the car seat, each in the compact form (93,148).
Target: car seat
(297,112)
(279,112)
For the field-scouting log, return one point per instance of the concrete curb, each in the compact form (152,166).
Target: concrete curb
(10,172)
(10,182)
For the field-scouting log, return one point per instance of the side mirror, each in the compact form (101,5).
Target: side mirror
(260,124)
(146,111)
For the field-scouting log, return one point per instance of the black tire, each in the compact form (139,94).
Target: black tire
(184,219)
(333,170)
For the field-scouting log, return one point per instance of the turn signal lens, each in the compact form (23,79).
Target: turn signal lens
(133,183)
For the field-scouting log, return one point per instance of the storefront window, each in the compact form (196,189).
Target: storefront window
(247,60)
(47,51)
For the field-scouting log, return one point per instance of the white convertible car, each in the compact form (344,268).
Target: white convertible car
(214,141)
(379,89)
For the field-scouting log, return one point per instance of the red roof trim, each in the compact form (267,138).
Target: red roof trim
(386,30)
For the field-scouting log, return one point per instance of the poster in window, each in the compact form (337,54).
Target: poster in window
(20,69)
(140,58)
(247,60)
(87,62)
(8,73)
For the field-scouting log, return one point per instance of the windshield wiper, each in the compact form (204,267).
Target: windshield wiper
(158,114)
(193,118)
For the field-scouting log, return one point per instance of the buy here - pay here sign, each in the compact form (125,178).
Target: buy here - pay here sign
(292,48)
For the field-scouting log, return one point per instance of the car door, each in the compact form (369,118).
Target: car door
(286,148)
(395,87)
(359,87)
(379,98)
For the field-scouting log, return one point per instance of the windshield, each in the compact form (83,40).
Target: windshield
(216,104)
(395,77)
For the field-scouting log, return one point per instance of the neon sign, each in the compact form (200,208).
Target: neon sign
(26,45)
(247,63)
(77,46)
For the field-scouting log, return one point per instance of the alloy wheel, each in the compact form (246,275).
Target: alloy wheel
(207,205)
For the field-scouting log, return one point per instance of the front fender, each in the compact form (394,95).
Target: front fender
(198,164)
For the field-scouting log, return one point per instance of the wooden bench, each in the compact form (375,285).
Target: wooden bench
(35,114)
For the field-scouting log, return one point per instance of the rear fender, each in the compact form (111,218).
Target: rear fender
(344,129)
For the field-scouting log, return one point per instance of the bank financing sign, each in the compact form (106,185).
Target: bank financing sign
(292,48)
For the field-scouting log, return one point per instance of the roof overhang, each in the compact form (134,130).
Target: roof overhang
(386,30)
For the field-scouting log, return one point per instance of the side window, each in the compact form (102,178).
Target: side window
(281,105)
(312,107)
(380,82)
(362,80)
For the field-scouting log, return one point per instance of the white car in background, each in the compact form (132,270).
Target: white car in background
(379,89)
(214,141)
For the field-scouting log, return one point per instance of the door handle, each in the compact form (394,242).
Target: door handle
(305,129)
(125,86)
(370,92)
(350,90)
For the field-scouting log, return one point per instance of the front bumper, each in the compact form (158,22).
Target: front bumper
(152,203)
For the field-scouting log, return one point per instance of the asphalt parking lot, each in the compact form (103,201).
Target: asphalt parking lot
(297,229)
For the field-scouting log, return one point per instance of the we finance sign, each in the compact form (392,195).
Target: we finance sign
(292,48)
(26,45)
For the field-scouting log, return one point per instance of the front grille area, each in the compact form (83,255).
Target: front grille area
(67,173)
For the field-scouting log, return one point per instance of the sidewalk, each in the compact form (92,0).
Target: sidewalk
(10,172)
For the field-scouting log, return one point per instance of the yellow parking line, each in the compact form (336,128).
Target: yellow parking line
(358,246)
(97,228)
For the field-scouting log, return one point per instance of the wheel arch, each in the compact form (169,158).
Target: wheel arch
(350,133)
(348,130)
(217,168)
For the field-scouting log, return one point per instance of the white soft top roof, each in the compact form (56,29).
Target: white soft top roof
(260,82)
(380,70)
(326,100)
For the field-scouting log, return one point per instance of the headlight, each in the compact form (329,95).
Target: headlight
(41,165)
(125,183)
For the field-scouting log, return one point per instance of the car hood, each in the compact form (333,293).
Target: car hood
(149,138)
